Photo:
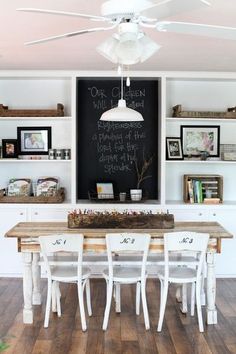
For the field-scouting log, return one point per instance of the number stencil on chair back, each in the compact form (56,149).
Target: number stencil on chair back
(186,241)
(119,242)
(61,243)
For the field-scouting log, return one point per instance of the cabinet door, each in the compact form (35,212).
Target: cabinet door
(48,214)
(189,215)
(10,259)
(226,260)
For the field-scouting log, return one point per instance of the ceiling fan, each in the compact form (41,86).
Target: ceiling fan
(130,17)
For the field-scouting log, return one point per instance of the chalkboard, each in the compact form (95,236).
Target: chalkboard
(106,150)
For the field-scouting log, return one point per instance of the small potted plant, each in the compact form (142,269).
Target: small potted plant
(141,170)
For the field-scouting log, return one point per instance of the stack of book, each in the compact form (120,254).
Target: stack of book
(203,191)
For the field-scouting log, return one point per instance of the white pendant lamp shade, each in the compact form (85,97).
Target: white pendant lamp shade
(122,114)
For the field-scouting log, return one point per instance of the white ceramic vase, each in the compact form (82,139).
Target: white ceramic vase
(136,194)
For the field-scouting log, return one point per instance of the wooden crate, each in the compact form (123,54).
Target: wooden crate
(214,183)
(59,197)
(121,221)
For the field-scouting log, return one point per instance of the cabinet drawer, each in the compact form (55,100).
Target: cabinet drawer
(189,215)
(48,214)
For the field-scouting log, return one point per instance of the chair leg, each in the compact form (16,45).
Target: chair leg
(184,308)
(138,291)
(164,293)
(117,297)
(144,303)
(108,305)
(48,304)
(88,297)
(192,298)
(81,306)
(58,298)
(54,297)
(199,308)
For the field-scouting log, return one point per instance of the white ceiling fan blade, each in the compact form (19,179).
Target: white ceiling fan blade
(64,13)
(167,8)
(197,29)
(70,34)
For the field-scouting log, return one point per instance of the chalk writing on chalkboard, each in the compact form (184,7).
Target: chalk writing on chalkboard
(106,150)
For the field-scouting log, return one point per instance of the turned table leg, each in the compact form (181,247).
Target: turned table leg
(211,289)
(27,287)
(36,279)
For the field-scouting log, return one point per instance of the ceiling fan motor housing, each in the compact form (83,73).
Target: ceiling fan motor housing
(124,8)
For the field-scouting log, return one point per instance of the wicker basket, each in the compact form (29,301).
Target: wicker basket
(121,221)
(58,198)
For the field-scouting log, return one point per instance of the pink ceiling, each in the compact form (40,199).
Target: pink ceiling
(178,52)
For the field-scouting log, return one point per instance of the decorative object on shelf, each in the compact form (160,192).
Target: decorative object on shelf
(105,190)
(47,186)
(178,113)
(19,187)
(51,154)
(228,152)
(59,197)
(34,140)
(122,196)
(141,170)
(9,148)
(59,154)
(197,139)
(203,188)
(106,219)
(5,112)
(174,149)
(67,154)
(204,155)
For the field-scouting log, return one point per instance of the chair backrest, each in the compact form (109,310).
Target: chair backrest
(62,243)
(127,242)
(186,241)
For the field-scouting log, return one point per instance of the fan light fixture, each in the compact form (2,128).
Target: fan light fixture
(122,113)
(129,46)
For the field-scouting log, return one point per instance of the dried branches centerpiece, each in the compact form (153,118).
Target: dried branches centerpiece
(125,220)
(141,170)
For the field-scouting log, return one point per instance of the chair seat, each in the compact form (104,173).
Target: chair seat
(124,274)
(179,274)
(68,273)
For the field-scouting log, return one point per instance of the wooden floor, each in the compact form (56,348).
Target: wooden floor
(126,332)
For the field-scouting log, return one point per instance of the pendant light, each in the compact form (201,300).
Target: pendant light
(122,113)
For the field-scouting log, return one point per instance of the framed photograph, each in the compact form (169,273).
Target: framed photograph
(174,149)
(9,148)
(197,139)
(34,140)
(105,190)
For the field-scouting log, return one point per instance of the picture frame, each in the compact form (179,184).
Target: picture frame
(34,140)
(105,190)
(197,139)
(9,148)
(174,149)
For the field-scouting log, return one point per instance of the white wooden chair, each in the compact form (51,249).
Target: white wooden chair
(183,242)
(123,243)
(56,272)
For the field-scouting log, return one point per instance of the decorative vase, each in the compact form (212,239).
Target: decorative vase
(136,194)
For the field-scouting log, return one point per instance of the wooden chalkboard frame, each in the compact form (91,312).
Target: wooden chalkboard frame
(96,95)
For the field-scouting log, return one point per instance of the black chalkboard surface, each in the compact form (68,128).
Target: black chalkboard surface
(106,150)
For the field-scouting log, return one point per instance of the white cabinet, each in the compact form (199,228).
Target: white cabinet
(10,260)
(189,214)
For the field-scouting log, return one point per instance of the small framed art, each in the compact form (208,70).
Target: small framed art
(197,139)
(105,190)
(34,140)
(174,149)
(9,148)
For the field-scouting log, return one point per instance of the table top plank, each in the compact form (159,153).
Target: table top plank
(36,229)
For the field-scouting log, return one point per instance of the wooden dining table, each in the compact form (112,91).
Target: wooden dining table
(27,234)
